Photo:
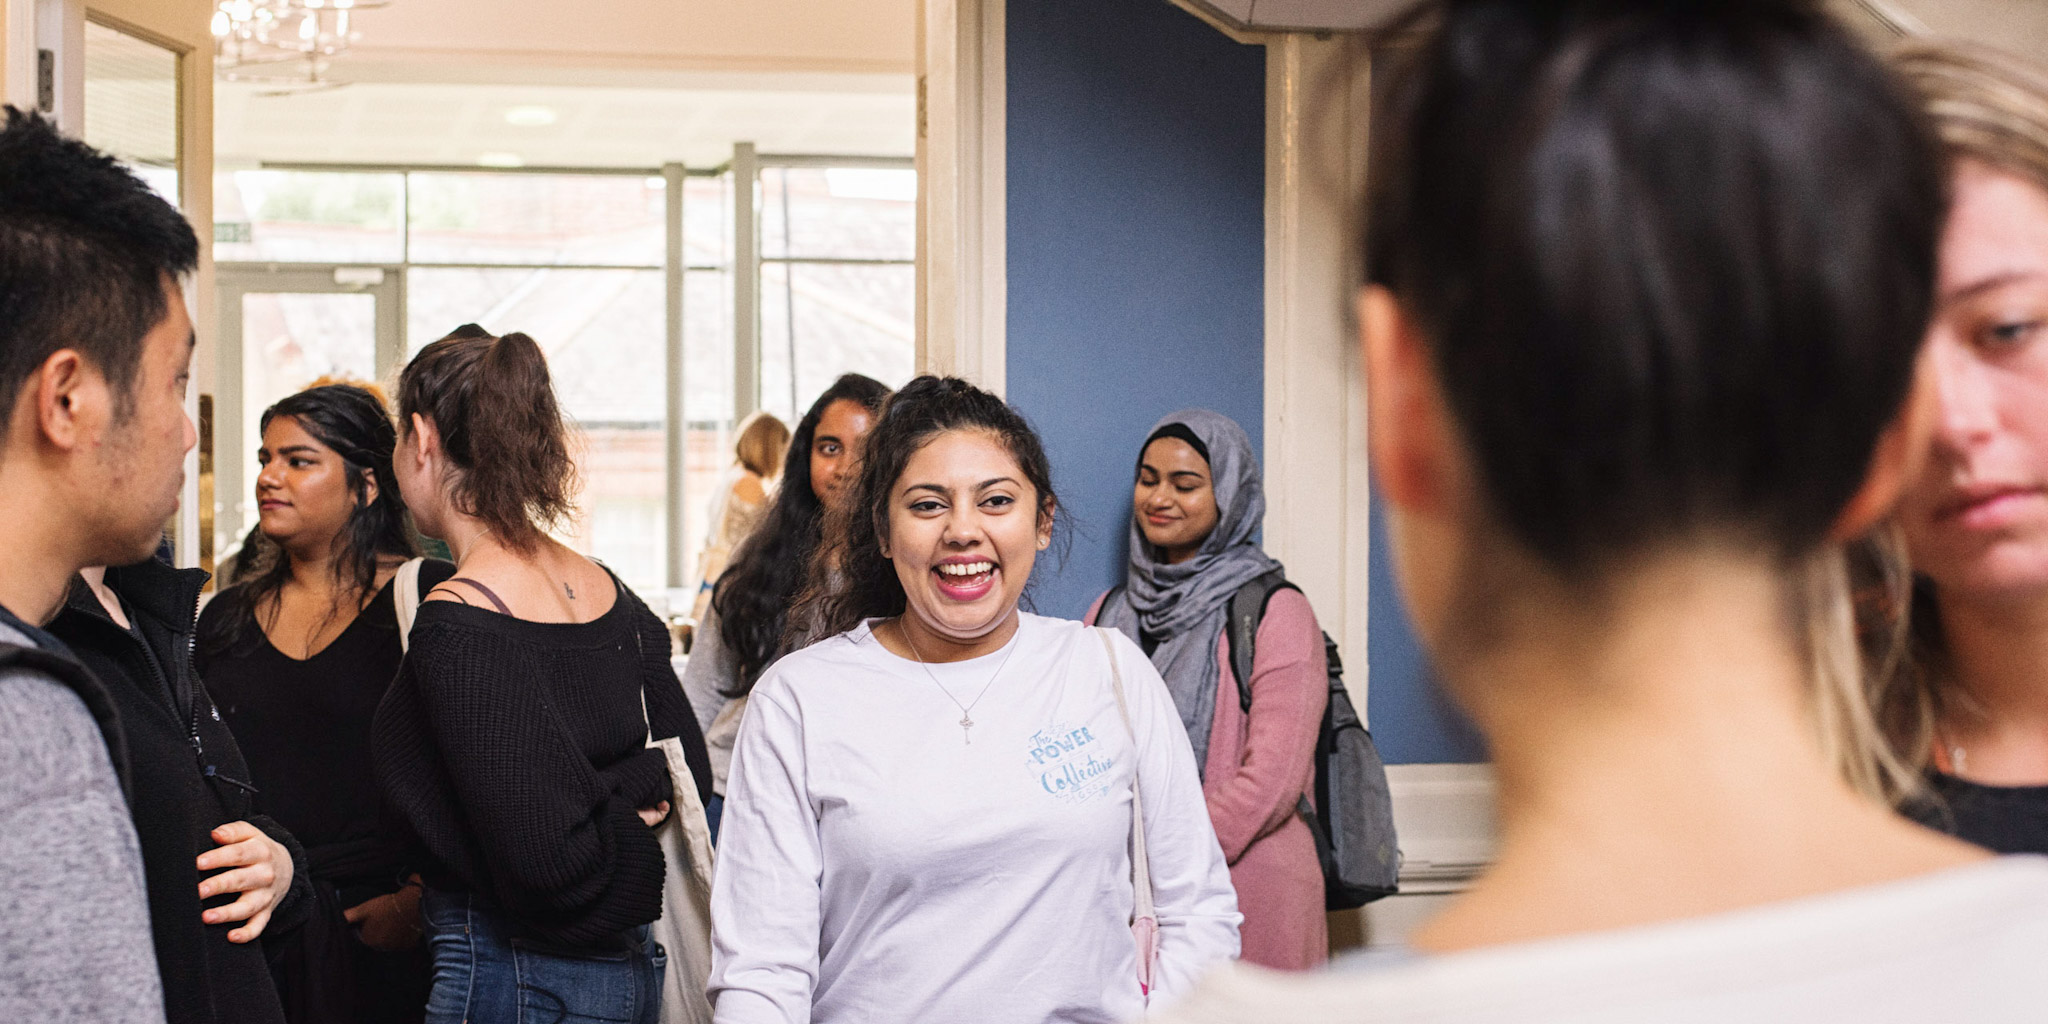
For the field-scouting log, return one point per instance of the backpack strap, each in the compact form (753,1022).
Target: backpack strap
(1109,599)
(1247,610)
(80,680)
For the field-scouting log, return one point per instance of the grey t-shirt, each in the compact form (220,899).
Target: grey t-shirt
(74,918)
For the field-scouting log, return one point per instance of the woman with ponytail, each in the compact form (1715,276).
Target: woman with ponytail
(297,658)
(1647,286)
(514,740)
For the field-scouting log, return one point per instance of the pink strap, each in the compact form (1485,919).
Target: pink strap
(486,592)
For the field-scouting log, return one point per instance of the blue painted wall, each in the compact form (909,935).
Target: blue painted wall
(1136,248)
(1412,721)
(1137,287)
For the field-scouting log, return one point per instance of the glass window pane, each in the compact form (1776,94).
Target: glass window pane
(603,334)
(707,221)
(707,345)
(827,319)
(838,213)
(131,105)
(707,401)
(300,216)
(536,218)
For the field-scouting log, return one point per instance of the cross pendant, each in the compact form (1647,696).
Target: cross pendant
(966,723)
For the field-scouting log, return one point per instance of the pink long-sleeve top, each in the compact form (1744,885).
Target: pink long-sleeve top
(1259,765)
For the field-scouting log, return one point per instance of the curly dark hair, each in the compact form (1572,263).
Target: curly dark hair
(766,575)
(861,582)
(352,422)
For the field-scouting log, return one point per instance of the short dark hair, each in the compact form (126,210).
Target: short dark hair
(851,579)
(766,575)
(494,404)
(1673,261)
(85,248)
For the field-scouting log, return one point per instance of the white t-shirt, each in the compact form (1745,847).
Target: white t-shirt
(1964,946)
(874,865)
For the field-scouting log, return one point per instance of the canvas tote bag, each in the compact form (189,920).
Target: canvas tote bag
(684,928)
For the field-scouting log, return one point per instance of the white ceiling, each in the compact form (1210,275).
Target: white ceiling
(453,37)
(593,126)
(619,82)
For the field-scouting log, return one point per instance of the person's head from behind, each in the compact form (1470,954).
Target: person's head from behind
(326,487)
(767,571)
(95,341)
(1645,281)
(1976,523)
(760,444)
(481,438)
(953,503)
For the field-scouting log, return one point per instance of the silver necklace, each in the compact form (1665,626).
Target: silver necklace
(966,710)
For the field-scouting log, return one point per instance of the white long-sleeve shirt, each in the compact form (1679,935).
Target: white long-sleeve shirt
(875,866)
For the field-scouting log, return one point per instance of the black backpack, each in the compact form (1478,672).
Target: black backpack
(1354,834)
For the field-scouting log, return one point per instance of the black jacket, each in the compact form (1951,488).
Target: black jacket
(187,778)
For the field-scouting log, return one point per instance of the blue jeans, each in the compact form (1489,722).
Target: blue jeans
(483,975)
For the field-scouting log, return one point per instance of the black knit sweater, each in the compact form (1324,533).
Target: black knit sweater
(516,752)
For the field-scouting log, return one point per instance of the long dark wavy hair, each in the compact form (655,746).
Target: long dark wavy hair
(355,424)
(766,575)
(865,584)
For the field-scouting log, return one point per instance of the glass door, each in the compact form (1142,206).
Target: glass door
(281,330)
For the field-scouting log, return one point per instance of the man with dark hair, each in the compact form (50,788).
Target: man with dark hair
(95,355)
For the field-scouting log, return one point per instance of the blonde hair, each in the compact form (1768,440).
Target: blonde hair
(759,444)
(329,379)
(1879,692)
(1855,648)
(1984,103)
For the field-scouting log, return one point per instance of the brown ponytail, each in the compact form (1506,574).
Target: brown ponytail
(494,404)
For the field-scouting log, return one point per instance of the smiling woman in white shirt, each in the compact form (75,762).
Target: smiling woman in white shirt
(929,815)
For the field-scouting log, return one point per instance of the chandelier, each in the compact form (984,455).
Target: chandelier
(286,42)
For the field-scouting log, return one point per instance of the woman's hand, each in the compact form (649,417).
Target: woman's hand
(260,870)
(654,815)
(389,923)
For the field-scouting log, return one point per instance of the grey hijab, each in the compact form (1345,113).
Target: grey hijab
(1185,605)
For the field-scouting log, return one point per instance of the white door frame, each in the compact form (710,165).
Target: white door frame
(962,295)
(232,281)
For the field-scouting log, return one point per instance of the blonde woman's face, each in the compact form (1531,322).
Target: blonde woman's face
(1977,520)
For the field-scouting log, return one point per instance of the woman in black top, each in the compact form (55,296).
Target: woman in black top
(514,739)
(298,658)
(1966,703)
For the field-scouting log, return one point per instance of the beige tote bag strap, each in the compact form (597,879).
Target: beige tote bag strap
(1141,864)
(405,599)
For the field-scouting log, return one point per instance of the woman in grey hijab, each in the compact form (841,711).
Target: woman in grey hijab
(1197,507)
